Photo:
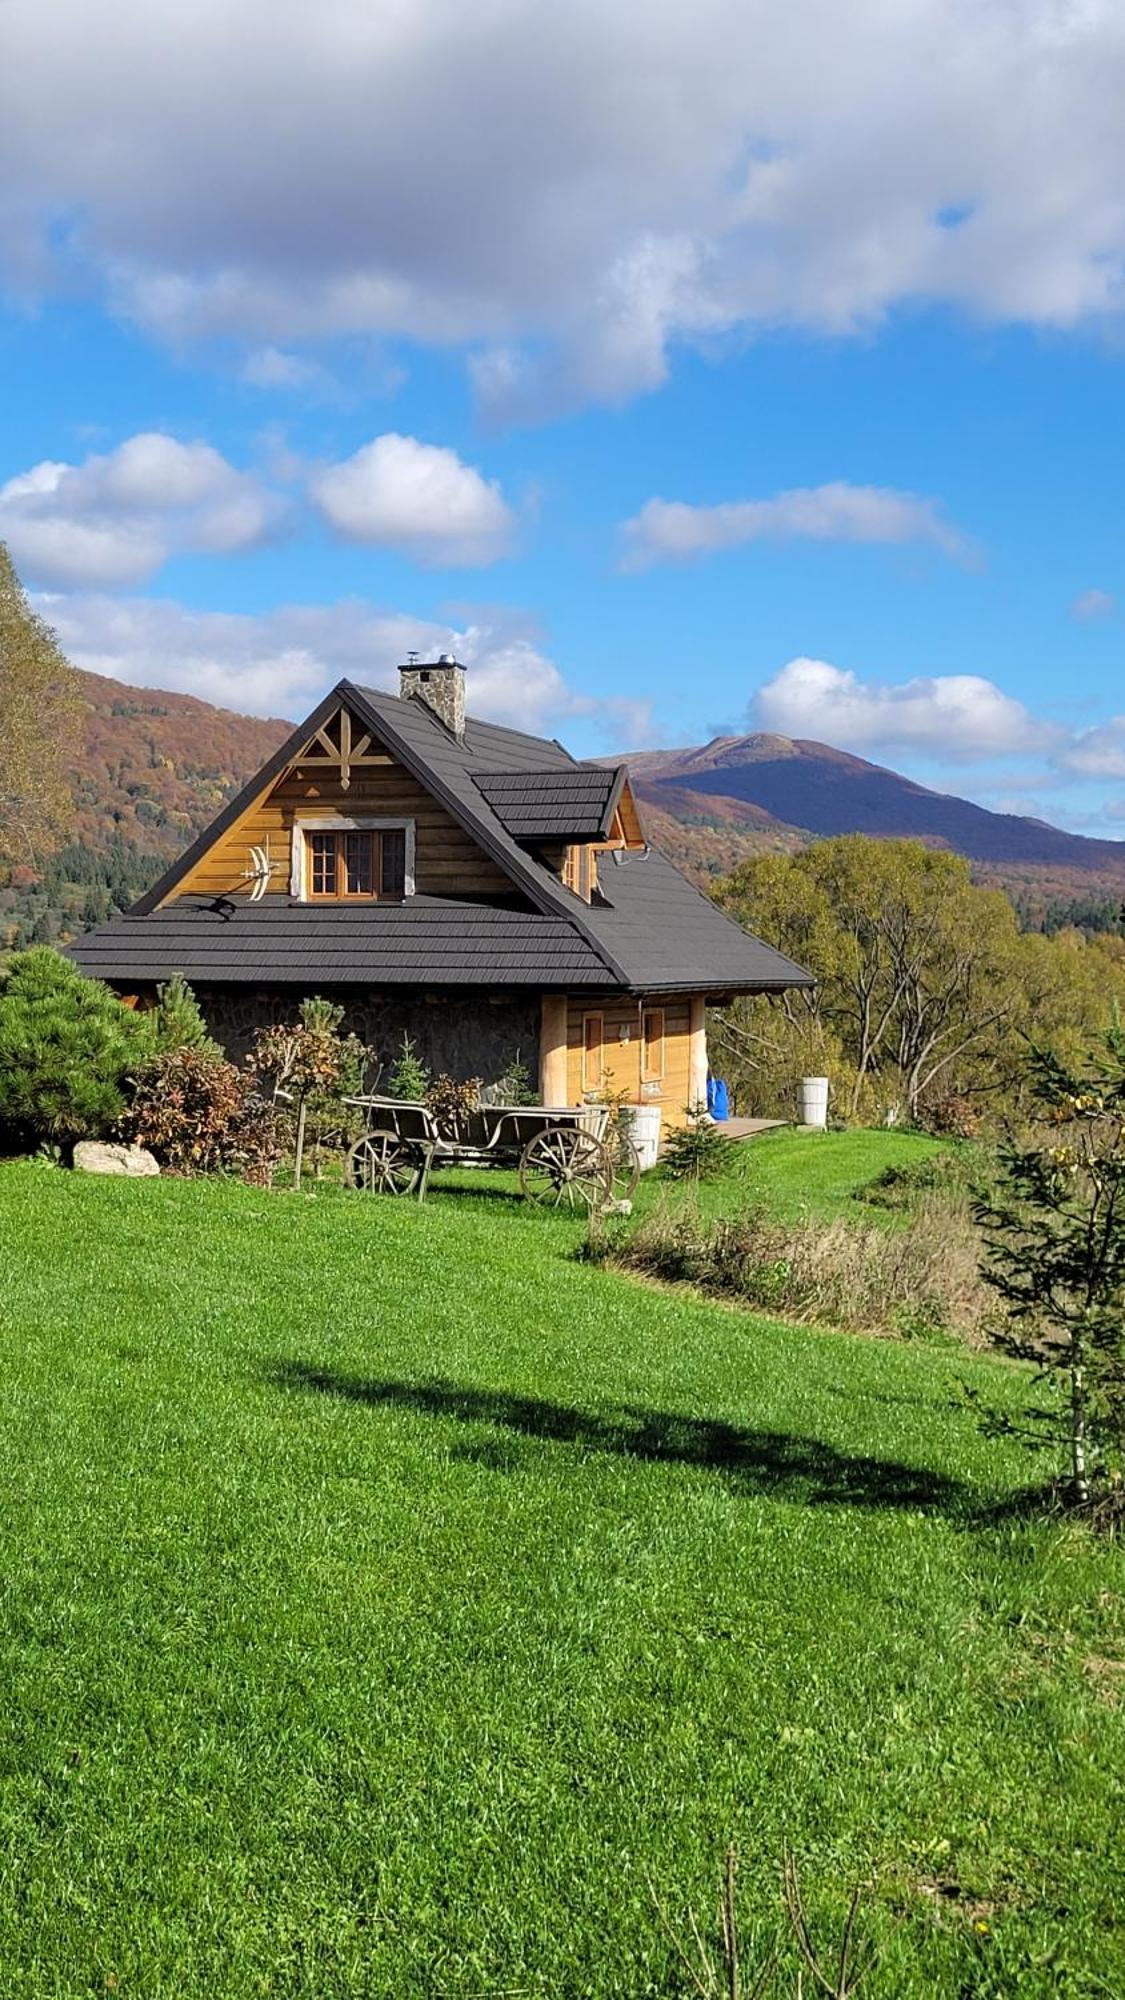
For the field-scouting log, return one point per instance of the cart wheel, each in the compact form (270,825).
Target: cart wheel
(566,1167)
(381,1164)
(625,1166)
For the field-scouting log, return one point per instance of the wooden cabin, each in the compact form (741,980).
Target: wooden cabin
(445,878)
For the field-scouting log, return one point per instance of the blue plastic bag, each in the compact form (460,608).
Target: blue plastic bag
(718,1099)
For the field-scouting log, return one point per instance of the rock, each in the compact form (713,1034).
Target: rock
(93,1156)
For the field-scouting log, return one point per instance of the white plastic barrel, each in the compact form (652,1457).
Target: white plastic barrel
(643,1122)
(814,1101)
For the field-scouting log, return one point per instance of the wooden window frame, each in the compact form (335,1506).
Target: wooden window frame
(588,1082)
(653,1072)
(322,895)
(300,872)
(580,871)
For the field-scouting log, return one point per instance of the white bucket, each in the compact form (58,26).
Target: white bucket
(644,1122)
(814,1101)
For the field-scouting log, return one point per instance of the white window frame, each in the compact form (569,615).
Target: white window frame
(342,823)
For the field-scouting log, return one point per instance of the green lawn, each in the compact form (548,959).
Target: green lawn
(389,1600)
(792,1170)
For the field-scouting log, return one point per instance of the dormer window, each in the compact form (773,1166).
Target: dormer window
(350,860)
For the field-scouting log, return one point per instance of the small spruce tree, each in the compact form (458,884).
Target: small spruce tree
(1055,1252)
(409,1078)
(698,1151)
(177,1020)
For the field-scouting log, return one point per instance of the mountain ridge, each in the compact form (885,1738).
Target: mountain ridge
(798,784)
(154,767)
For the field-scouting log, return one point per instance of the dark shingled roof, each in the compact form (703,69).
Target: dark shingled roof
(426,941)
(535,806)
(669,936)
(650,930)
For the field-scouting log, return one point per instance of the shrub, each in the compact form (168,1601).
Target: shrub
(957,1171)
(917,1281)
(514,1086)
(452,1100)
(67,1045)
(1055,1254)
(697,1151)
(177,1020)
(409,1079)
(313,1064)
(952,1117)
(199,1114)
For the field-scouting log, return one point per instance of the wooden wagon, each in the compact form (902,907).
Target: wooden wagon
(566,1156)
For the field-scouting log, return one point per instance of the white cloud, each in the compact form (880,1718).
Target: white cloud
(1093,604)
(1098,752)
(958,717)
(281,662)
(273,368)
(673,531)
(399,493)
(118,516)
(576,188)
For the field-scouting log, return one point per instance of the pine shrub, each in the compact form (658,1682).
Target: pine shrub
(67,1046)
(514,1085)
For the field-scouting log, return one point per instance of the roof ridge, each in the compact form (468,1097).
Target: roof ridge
(475,722)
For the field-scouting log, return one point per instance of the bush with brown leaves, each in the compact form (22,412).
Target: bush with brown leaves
(200,1115)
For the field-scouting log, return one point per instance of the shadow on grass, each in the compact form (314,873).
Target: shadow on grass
(459,1191)
(767,1462)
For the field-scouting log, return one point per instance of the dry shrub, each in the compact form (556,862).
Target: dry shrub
(201,1115)
(920,1280)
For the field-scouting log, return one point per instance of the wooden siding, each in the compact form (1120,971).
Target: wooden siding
(629,819)
(447,860)
(622,1059)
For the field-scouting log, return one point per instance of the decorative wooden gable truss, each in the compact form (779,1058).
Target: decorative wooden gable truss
(354,768)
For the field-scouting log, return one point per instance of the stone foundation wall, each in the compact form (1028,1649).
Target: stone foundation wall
(466,1035)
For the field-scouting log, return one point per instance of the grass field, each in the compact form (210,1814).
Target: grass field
(390,1603)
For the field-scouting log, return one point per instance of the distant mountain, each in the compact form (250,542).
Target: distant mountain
(152,770)
(761,785)
(155,768)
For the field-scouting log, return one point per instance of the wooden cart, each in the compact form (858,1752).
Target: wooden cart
(565,1156)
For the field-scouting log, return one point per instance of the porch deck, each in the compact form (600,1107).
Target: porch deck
(749,1128)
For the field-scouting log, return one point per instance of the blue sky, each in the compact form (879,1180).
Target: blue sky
(680,384)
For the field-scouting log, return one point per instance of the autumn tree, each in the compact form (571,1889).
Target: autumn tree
(926,987)
(39,710)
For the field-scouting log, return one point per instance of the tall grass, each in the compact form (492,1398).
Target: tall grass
(918,1280)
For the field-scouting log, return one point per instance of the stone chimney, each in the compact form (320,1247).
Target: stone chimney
(440,684)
